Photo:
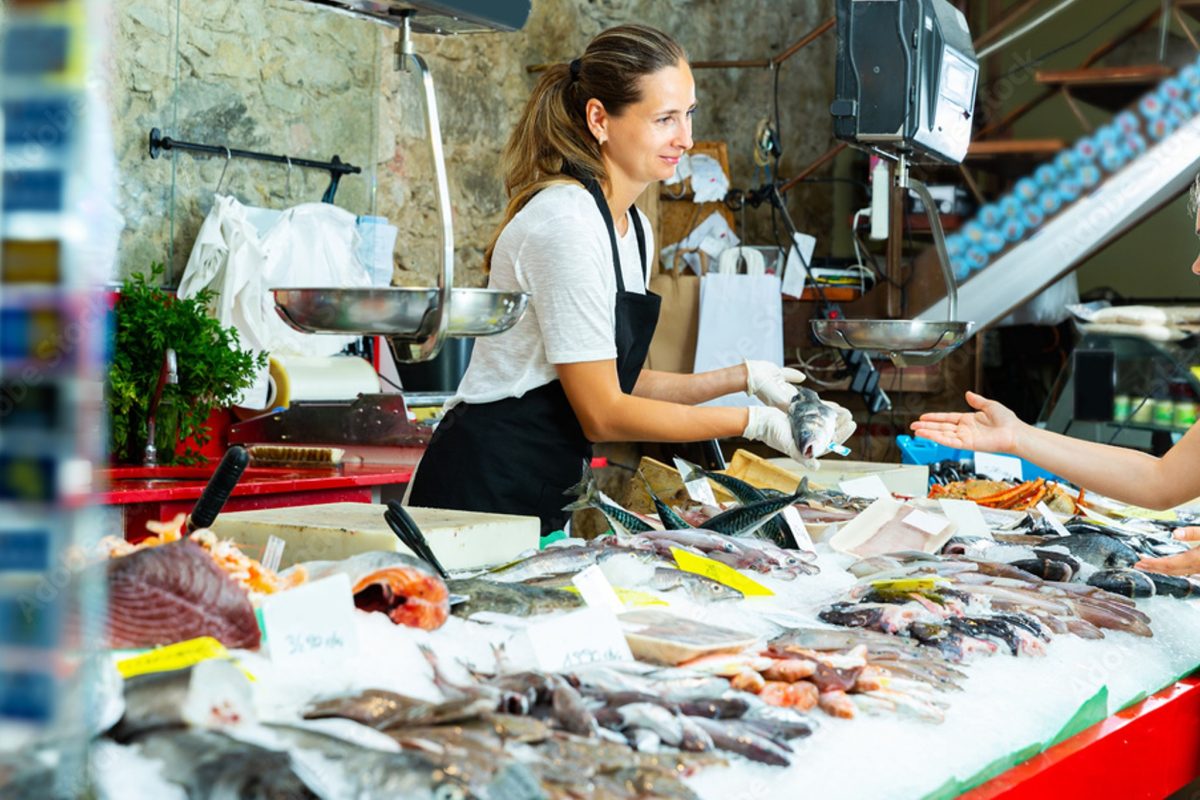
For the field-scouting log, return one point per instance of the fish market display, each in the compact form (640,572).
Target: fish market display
(518,599)
(174,592)
(404,588)
(1002,494)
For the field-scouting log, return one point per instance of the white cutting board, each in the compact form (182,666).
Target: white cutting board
(459,539)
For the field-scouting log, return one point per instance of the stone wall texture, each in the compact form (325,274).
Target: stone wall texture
(287,77)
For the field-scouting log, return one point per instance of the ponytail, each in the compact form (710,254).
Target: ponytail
(552,143)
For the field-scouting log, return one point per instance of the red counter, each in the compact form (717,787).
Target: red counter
(160,493)
(1149,750)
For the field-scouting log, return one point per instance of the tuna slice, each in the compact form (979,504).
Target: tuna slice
(172,593)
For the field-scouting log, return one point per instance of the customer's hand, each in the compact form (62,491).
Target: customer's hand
(1181,564)
(992,428)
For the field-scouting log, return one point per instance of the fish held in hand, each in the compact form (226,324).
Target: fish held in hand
(814,424)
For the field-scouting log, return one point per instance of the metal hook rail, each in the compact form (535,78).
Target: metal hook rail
(335,167)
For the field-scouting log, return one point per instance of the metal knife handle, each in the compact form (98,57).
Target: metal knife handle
(220,485)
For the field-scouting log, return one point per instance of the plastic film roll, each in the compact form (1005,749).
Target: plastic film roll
(312,378)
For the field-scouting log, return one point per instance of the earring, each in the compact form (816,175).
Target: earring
(602,140)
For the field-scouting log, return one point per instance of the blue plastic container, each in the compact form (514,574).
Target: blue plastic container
(924,451)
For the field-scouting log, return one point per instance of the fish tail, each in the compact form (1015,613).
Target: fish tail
(585,492)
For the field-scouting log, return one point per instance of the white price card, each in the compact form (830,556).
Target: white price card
(596,591)
(313,622)
(792,517)
(1053,519)
(967,516)
(799,259)
(871,487)
(926,522)
(586,636)
(998,467)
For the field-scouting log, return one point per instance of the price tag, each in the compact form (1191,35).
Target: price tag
(967,516)
(172,657)
(1052,518)
(1146,513)
(721,573)
(998,467)
(630,598)
(313,622)
(871,487)
(924,521)
(903,585)
(596,591)
(799,529)
(698,488)
(586,636)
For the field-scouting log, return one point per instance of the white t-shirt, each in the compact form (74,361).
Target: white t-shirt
(557,249)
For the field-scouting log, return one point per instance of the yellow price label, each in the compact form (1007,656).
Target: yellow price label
(628,597)
(904,585)
(172,657)
(1133,512)
(721,573)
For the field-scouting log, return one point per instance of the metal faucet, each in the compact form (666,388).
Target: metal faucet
(168,373)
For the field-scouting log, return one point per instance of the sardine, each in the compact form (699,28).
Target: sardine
(745,519)
(667,515)
(814,424)
(551,561)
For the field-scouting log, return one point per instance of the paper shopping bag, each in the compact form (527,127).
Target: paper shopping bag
(673,348)
(741,317)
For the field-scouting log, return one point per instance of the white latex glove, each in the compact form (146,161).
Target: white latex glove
(772,427)
(773,385)
(845,422)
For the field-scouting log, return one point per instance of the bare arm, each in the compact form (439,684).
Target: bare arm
(1117,472)
(690,389)
(609,415)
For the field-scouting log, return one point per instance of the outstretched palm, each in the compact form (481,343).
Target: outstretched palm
(992,428)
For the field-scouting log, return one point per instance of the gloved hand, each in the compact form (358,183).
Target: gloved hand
(773,385)
(845,422)
(772,427)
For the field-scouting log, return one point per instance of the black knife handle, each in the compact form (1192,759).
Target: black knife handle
(220,485)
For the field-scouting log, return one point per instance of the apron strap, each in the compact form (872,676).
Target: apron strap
(593,188)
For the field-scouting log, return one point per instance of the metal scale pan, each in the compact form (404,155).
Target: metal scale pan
(415,320)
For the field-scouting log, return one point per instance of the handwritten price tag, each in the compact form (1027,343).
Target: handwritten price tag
(314,622)
(587,636)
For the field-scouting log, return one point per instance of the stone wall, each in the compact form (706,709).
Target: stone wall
(285,77)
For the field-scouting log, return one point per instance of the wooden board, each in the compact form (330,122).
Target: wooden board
(668,485)
(762,473)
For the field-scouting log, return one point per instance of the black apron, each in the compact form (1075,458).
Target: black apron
(519,455)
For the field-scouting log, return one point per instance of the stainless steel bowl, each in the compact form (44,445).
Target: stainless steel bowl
(908,343)
(408,314)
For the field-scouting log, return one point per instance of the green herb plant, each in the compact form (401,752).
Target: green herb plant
(212,367)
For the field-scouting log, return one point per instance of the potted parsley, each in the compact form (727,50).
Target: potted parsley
(212,367)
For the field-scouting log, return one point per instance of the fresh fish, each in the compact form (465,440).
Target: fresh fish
(776,529)
(1127,582)
(667,515)
(517,599)
(211,765)
(551,561)
(404,588)
(1101,550)
(698,587)
(814,424)
(153,701)
(737,737)
(699,539)
(589,496)
(384,710)
(172,593)
(1172,585)
(745,519)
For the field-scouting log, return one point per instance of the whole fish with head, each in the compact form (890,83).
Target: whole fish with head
(384,710)
(776,529)
(1127,582)
(814,424)
(588,495)
(545,563)
(1101,550)
(516,598)
(697,587)
(745,519)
